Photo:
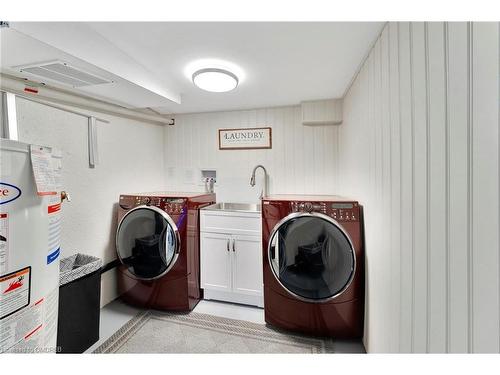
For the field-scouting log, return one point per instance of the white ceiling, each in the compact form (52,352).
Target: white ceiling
(17,49)
(282,63)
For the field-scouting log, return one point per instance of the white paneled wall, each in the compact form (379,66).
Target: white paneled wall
(302,159)
(419,148)
(130,160)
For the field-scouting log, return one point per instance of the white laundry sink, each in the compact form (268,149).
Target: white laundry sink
(238,207)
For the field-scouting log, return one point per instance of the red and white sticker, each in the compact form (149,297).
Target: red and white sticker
(22,332)
(15,289)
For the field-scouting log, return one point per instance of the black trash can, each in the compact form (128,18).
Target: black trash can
(79,303)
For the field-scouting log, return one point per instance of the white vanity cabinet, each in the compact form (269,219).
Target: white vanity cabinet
(231,256)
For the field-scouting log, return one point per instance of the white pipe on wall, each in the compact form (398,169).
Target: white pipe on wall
(92,137)
(52,95)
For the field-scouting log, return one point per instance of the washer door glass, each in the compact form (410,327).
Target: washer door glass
(147,242)
(311,256)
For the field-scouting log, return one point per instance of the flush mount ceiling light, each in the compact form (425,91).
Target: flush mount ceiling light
(215,79)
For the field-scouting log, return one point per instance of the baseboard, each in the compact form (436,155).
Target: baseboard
(233,297)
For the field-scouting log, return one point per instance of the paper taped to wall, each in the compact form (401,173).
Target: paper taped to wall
(47,169)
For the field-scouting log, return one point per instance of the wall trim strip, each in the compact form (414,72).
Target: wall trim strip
(447,182)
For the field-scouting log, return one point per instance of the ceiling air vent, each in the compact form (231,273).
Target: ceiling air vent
(62,73)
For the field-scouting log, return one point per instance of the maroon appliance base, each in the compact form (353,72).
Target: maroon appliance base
(162,294)
(340,320)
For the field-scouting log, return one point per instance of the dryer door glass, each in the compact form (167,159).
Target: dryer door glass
(311,256)
(147,242)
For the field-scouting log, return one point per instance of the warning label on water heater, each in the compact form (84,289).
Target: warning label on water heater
(14,291)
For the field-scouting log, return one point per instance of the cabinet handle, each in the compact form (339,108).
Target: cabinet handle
(234,245)
(227,245)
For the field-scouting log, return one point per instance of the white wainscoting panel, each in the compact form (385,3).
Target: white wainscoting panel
(419,148)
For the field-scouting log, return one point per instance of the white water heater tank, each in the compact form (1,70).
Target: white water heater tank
(30,225)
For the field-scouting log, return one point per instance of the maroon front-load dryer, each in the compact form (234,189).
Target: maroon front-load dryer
(157,243)
(313,264)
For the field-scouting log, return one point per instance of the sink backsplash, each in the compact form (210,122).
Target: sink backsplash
(227,188)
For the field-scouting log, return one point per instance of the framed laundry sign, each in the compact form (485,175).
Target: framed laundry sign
(245,138)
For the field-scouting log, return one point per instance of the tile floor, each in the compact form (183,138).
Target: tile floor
(117,313)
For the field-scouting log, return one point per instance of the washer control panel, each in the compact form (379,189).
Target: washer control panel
(339,211)
(309,207)
(172,206)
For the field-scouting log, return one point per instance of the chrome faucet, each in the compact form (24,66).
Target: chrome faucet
(264,191)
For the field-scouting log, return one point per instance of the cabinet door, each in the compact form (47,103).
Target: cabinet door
(247,265)
(215,262)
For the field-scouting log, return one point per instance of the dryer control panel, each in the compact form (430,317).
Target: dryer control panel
(339,211)
(344,211)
